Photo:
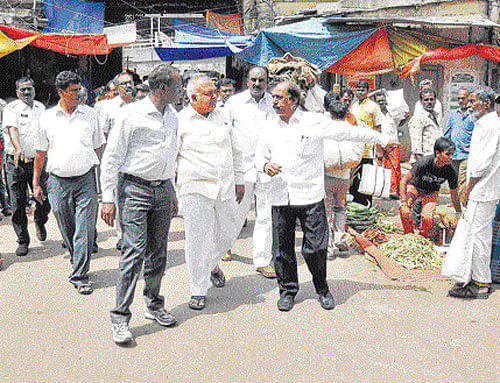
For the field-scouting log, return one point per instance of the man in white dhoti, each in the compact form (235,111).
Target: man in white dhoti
(468,260)
(206,174)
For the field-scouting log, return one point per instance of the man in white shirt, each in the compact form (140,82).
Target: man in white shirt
(111,110)
(391,158)
(424,127)
(227,88)
(290,151)
(110,113)
(209,180)
(20,119)
(469,256)
(247,112)
(137,169)
(69,136)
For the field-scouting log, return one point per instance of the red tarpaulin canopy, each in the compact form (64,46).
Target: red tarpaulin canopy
(68,44)
(373,55)
(488,52)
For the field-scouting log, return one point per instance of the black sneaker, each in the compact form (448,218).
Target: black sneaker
(6,212)
(22,250)
(285,303)
(470,291)
(326,301)
(41,232)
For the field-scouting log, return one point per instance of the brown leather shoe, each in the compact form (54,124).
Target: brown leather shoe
(267,271)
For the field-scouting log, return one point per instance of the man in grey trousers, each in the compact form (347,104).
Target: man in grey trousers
(138,168)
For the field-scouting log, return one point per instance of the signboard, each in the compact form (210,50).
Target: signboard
(460,80)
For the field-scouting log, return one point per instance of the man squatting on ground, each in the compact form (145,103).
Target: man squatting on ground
(468,259)
(290,152)
(137,169)
(423,182)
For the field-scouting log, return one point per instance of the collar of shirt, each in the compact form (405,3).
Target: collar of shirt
(294,119)
(60,111)
(267,99)
(191,113)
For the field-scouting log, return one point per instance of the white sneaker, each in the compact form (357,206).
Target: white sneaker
(121,333)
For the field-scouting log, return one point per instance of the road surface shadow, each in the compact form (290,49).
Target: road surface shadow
(48,249)
(239,291)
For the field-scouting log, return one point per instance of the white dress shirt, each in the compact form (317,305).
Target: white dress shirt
(70,140)
(205,162)
(389,127)
(246,117)
(25,118)
(109,112)
(298,148)
(484,158)
(143,144)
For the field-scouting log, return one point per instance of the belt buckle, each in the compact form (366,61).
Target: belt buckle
(155,183)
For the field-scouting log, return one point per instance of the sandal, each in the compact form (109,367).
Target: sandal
(470,291)
(217,277)
(197,302)
(84,289)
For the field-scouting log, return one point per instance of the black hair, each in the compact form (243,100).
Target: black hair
(259,67)
(338,110)
(162,74)
(443,144)
(363,84)
(227,81)
(66,78)
(24,79)
(347,91)
(293,92)
(329,98)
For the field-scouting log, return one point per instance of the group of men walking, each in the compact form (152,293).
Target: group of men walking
(210,162)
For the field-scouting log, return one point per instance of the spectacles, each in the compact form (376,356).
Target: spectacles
(124,83)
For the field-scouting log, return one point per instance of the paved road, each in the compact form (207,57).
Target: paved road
(380,331)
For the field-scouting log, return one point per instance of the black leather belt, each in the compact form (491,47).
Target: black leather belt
(142,181)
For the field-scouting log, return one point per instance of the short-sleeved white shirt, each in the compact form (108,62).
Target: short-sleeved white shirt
(25,118)
(70,140)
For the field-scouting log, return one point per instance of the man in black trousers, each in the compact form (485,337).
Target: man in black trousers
(290,153)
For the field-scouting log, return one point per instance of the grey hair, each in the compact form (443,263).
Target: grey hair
(485,95)
(424,82)
(194,83)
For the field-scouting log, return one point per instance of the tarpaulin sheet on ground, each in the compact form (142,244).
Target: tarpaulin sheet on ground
(194,42)
(64,43)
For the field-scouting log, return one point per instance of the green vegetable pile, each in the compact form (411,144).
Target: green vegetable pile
(413,252)
(360,218)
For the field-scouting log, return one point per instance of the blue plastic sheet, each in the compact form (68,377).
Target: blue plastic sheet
(74,16)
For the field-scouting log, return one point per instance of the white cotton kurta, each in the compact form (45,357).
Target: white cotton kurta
(206,173)
(246,118)
(470,250)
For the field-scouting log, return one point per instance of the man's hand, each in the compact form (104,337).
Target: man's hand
(175,207)
(38,193)
(272,169)
(108,213)
(240,193)
(18,155)
(404,209)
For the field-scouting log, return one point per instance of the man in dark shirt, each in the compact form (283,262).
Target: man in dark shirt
(424,181)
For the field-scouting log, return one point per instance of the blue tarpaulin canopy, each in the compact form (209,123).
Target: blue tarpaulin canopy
(313,40)
(194,42)
(74,16)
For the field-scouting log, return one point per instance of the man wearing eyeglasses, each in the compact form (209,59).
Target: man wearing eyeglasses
(70,137)
(20,119)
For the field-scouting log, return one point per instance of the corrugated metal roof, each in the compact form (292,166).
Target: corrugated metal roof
(470,20)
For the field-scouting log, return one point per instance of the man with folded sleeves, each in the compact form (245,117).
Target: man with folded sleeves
(290,152)
(137,169)
(209,181)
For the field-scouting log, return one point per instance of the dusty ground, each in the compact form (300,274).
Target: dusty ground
(380,331)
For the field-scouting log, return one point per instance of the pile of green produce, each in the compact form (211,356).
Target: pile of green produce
(360,217)
(413,252)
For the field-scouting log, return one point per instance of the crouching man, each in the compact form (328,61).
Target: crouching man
(290,151)
(423,183)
